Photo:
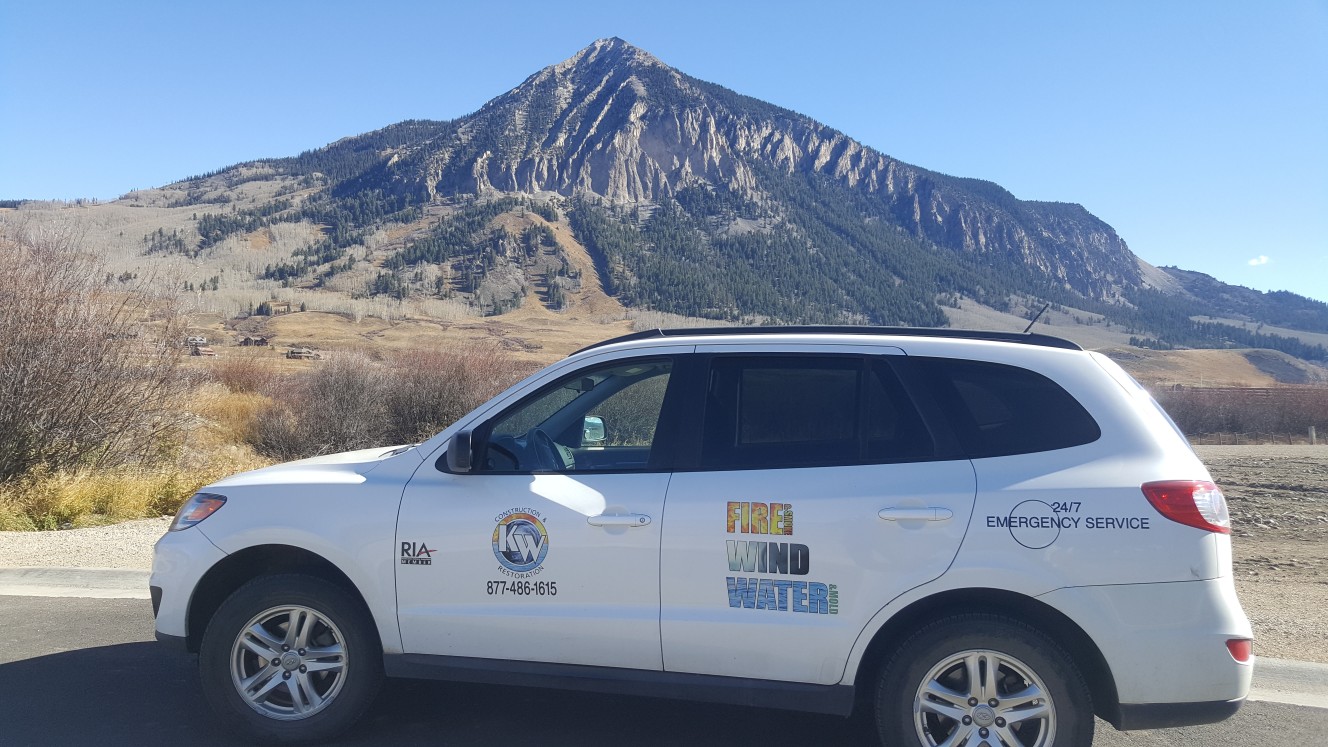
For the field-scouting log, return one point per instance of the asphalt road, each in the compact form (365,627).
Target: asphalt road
(86,671)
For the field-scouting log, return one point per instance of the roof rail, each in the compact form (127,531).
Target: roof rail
(1023,338)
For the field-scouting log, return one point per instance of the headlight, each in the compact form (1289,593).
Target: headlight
(197,508)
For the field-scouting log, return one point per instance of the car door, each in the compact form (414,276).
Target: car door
(816,493)
(548,549)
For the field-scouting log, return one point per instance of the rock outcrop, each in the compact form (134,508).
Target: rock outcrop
(615,122)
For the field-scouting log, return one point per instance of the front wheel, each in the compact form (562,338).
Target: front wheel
(982,679)
(290,659)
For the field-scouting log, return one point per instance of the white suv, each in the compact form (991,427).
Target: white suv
(981,537)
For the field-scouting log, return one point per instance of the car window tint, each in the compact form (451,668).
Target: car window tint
(893,429)
(807,411)
(781,412)
(532,414)
(1000,410)
(630,416)
(795,404)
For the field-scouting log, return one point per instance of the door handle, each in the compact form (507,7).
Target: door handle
(618,520)
(920,513)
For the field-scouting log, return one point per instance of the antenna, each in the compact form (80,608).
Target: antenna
(1039,316)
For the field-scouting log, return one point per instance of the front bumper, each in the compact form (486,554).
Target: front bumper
(177,643)
(179,561)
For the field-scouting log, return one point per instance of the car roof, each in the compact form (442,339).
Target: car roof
(1022,338)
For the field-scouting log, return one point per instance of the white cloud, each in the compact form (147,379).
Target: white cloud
(1262,259)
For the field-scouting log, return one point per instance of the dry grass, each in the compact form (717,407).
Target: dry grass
(226,417)
(1203,368)
(213,446)
(43,499)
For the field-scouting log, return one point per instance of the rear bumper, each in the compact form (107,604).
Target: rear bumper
(1166,715)
(1165,646)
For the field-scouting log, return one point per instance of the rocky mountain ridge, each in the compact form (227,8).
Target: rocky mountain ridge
(615,122)
(614,176)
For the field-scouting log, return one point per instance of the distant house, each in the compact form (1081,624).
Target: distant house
(304,354)
(194,341)
(247,342)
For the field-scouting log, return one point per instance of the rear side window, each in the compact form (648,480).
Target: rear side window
(770,412)
(1000,410)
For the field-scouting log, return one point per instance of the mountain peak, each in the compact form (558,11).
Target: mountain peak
(613,51)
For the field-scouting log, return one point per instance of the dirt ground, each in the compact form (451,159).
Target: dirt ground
(1278,497)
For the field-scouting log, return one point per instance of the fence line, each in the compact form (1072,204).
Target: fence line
(1249,439)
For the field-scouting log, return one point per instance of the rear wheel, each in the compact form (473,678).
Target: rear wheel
(290,659)
(982,679)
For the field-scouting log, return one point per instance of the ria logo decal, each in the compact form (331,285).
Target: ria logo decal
(416,554)
(520,542)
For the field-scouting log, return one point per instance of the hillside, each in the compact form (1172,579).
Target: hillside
(611,185)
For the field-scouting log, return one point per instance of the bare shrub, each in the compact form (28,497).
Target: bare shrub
(246,372)
(431,389)
(89,363)
(336,406)
(353,402)
(1284,411)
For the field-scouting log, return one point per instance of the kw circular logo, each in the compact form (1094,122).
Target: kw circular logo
(520,542)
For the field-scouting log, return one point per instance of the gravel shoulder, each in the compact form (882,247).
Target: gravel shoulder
(1279,505)
(127,545)
(1278,497)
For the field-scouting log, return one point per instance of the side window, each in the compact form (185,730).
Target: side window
(807,411)
(597,419)
(1000,410)
(629,417)
(894,430)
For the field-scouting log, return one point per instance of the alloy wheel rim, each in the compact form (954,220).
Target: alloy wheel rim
(980,696)
(289,662)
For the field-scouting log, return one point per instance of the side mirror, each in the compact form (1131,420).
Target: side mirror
(592,431)
(459,452)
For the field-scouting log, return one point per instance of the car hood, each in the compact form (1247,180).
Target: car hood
(346,467)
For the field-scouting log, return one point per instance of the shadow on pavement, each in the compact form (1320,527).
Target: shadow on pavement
(131,693)
(144,694)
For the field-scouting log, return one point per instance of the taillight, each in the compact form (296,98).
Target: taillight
(1241,649)
(1194,503)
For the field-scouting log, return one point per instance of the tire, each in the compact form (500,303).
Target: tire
(325,667)
(926,694)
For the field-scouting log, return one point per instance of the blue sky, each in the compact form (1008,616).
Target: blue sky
(1199,130)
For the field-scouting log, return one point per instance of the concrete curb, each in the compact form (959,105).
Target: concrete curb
(1301,683)
(88,583)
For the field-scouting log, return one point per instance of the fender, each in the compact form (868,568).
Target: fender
(1030,585)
